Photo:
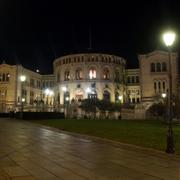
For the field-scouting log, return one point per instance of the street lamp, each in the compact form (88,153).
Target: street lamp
(164,101)
(120,97)
(22,79)
(66,100)
(169,38)
(163,95)
(49,94)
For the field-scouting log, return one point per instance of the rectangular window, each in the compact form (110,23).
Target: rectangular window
(32,82)
(133,79)
(137,79)
(138,100)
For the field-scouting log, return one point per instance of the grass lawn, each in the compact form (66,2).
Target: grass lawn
(139,132)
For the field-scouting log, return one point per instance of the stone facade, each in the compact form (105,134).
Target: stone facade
(89,75)
(12,89)
(154,75)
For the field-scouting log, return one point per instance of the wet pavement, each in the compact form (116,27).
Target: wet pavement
(29,151)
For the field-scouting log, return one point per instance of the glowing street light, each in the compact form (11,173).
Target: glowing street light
(49,93)
(164,95)
(64,88)
(23,100)
(66,100)
(22,79)
(120,97)
(169,38)
(88,90)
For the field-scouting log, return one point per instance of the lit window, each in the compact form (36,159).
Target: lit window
(92,73)
(67,76)
(7,76)
(78,74)
(106,74)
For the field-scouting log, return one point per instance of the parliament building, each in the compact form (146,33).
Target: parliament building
(88,75)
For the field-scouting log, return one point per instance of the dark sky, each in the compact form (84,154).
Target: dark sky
(35,32)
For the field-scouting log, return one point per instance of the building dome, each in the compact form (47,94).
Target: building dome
(89,75)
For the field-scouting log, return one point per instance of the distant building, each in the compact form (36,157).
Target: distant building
(88,75)
(12,91)
(154,78)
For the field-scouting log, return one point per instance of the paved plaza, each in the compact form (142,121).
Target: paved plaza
(29,151)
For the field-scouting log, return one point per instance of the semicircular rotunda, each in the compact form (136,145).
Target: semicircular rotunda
(90,75)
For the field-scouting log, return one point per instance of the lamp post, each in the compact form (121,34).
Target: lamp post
(49,95)
(120,97)
(169,38)
(22,79)
(164,101)
(66,100)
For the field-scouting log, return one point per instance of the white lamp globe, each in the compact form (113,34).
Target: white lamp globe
(169,38)
(22,78)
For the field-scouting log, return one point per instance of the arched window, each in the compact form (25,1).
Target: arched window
(164,86)
(3,77)
(7,76)
(128,79)
(117,76)
(137,79)
(158,67)
(66,97)
(67,75)
(92,73)
(164,67)
(78,74)
(155,87)
(116,96)
(159,86)
(106,73)
(133,79)
(152,67)
(106,96)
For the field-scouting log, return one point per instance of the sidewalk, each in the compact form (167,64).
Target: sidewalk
(30,151)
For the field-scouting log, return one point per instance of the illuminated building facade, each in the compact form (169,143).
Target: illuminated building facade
(88,75)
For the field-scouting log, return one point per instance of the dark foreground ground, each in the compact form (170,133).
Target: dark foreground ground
(29,151)
(147,133)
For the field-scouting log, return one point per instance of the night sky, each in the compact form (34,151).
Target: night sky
(35,32)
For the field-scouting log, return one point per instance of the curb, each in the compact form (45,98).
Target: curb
(126,146)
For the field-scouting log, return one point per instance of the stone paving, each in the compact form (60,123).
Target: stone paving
(29,151)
